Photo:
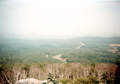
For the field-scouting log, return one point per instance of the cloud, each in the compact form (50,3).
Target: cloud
(59,20)
(107,0)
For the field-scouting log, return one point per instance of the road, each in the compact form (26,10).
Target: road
(81,44)
(58,57)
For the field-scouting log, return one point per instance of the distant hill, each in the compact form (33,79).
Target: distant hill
(28,50)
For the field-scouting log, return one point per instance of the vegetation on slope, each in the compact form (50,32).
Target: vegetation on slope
(91,63)
(17,50)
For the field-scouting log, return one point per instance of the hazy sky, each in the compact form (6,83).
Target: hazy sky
(60,17)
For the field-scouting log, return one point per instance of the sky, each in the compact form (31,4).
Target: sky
(60,18)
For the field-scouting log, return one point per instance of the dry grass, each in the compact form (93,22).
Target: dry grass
(115,45)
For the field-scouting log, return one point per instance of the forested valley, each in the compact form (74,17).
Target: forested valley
(81,60)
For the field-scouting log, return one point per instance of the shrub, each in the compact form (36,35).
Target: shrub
(65,81)
(88,80)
